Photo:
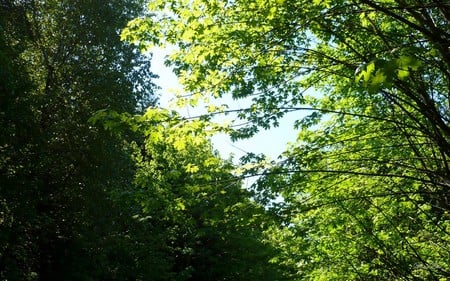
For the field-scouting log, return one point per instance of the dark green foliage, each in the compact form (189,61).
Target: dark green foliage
(207,223)
(88,192)
(61,62)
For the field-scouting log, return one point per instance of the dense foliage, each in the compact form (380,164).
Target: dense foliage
(99,184)
(61,62)
(207,226)
(366,187)
(90,189)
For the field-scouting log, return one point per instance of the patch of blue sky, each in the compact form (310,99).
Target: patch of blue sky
(272,142)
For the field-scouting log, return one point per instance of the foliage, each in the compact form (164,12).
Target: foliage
(366,187)
(61,62)
(361,207)
(92,186)
(208,227)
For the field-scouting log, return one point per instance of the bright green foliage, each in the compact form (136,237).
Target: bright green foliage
(366,188)
(362,206)
(276,50)
(209,228)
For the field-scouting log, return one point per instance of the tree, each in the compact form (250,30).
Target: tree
(366,187)
(362,207)
(207,226)
(61,214)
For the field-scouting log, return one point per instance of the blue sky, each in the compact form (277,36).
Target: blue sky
(271,142)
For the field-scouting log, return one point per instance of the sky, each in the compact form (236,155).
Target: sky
(270,142)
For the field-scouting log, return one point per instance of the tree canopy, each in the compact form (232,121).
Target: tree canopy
(98,183)
(93,186)
(208,227)
(365,189)
(61,62)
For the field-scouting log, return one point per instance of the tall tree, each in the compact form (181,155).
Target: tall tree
(207,225)
(367,186)
(63,61)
